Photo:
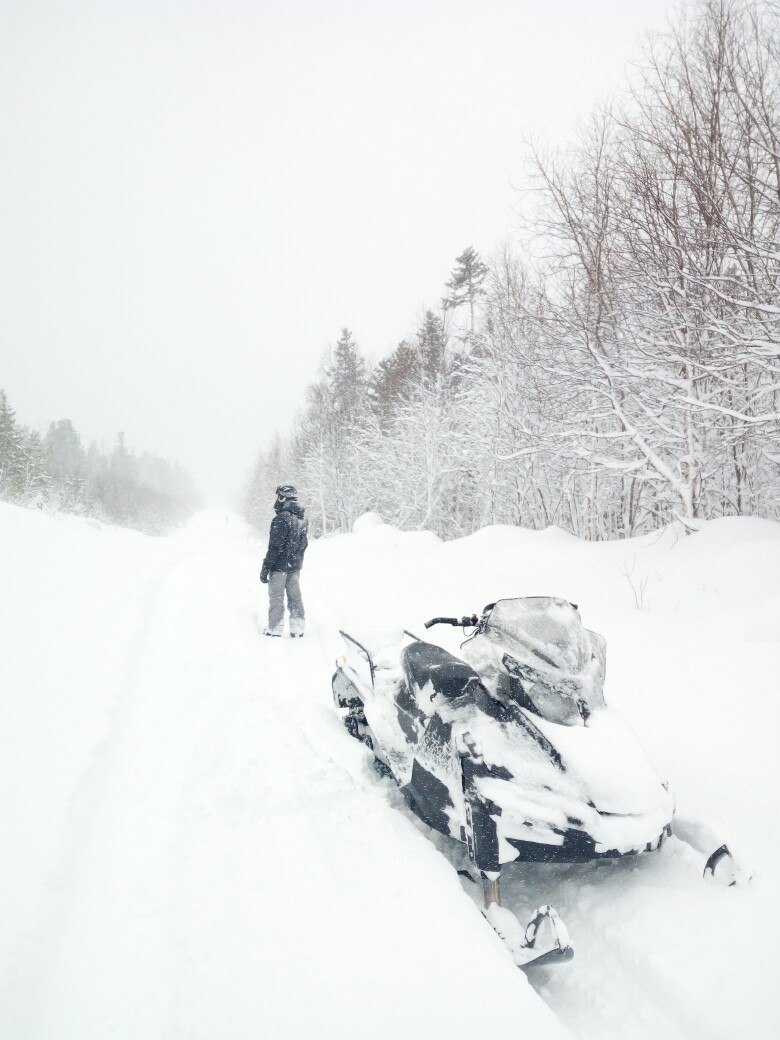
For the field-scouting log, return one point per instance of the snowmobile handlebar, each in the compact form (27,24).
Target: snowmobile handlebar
(463,622)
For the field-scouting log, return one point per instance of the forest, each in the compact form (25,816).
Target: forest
(56,472)
(615,365)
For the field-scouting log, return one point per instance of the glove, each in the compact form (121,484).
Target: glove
(264,576)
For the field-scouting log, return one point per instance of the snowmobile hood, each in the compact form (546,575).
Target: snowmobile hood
(598,787)
(608,764)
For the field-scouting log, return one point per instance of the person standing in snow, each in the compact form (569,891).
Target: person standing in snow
(281,569)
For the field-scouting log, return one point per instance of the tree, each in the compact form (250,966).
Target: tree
(12,456)
(65,463)
(393,379)
(325,441)
(272,468)
(670,332)
(466,284)
(624,370)
(35,477)
(346,377)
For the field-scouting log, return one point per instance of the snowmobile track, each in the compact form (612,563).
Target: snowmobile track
(37,955)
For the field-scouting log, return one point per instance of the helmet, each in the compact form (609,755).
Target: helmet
(285,491)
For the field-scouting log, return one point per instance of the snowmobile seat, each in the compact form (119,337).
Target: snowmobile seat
(426,663)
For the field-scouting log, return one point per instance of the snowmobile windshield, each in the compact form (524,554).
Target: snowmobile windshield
(555,665)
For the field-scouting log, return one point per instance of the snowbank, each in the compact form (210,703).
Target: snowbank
(367,522)
(370,527)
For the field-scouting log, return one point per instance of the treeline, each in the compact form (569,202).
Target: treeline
(620,366)
(55,471)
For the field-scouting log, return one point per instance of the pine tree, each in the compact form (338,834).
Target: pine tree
(65,462)
(466,284)
(35,476)
(393,380)
(396,377)
(431,342)
(121,500)
(12,456)
(347,377)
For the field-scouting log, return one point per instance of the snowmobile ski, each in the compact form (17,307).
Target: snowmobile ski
(720,865)
(723,868)
(543,942)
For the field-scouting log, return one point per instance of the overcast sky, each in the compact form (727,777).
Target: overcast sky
(196,196)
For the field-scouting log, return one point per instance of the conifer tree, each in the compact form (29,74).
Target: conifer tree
(431,342)
(122,467)
(65,462)
(397,376)
(11,452)
(36,479)
(346,376)
(393,380)
(466,284)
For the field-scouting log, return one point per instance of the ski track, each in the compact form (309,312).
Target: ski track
(612,989)
(38,957)
(605,993)
(185,862)
(176,796)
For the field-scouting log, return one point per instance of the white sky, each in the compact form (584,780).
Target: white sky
(196,196)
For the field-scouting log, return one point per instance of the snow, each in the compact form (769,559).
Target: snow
(367,522)
(605,751)
(194,847)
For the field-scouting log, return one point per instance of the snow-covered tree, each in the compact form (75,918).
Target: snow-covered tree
(145,492)
(12,461)
(621,367)
(273,467)
(65,463)
(325,440)
(466,284)
(36,479)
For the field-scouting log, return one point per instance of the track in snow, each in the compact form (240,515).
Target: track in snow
(623,982)
(228,867)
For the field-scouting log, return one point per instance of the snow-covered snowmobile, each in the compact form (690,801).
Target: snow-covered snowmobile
(510,748)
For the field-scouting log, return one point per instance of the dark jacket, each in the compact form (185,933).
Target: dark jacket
(287,540)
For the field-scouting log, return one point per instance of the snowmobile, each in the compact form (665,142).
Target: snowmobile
(509,748)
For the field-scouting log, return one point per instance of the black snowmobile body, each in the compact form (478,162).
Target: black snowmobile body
(498,750)
(509,748)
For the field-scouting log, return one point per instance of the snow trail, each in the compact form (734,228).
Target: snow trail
(89,820)
(228,866)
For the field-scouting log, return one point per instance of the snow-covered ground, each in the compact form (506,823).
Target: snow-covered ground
(192,846)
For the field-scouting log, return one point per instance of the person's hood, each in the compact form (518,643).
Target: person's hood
(291,506)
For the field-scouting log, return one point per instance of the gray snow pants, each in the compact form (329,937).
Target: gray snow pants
(278,583)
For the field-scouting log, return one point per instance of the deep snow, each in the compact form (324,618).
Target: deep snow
(194,847)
